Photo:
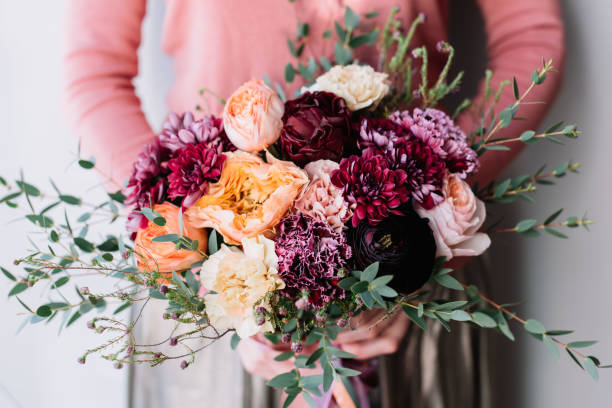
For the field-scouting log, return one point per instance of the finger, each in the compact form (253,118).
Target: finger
(387,341)
(367,330)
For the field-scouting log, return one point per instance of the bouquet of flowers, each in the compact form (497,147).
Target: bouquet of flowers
(290,217)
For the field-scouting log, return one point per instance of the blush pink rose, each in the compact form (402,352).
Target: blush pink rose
(252,117)
(455,222)
(321,199)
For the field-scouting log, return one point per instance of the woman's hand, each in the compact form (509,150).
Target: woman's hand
(371,334)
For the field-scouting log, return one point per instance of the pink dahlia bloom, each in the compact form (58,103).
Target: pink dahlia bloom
(446,139)
(402,150)
(147,183)
(321,199)
(310,257)
(190,172)
(180,131)
(371,188)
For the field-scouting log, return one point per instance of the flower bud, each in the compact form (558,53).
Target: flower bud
(342,323)
(297,347)
(173,341)
(320,316)
(261,310)
(91,324)
(302,303)
(118,365)
(100,329)
(184,364)
(260,321)
(174,316)
(81,360)
(163,289)
(286,338)
(84,291)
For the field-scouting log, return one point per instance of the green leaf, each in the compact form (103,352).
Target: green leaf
(347,372)
(527,136)
(60,282)
(83,244)
(68,199)
(553,217)
(499,148)
(327,33)
(370,272)
(213,246)
(289,73)
(591,368)
(110,245)
(502,188)
(535,327)
(386,291)
(448,282)
(284,380)
(506,116)
(73,318)
(551,346)
(234,341)
(284,356)
(460,316)
(346,283)
(555,233)
(24,305)
(360,287)
(339,353)
(582,344)
(8,274)
(525,225)
(167,238)
(413,315)
(452,305)
(342,55)
(558,332)
(367,299)
(155,294)
(516,89)
(40,220)
(290,398)
(351,20)
(328,376)
(359,40)
(86,164)
(502,324)
(325,63)
(315,356)
(43,311)
(381,281)
(161,221)
(122,307)
(371,14)
(18,288)
(117,196)
(28,188)
(483,320)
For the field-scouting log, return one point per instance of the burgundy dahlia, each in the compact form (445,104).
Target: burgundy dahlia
(402,150)
(147,182)
(446,139)
(180,131)
(311,256)
(191,171)
(404,247)
(371,187)
(316,126)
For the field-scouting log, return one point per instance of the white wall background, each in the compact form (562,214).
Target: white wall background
(567,283)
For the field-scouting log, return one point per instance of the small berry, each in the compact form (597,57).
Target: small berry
(118,365)
(342,323)
(174,316)
(286,338)
(320,316)
(184,364)
(84,291)
(91,324)
(100,329)
(261,310)
(158,355)
(163,289)
(81,360)
(173,341)
(260,321)
(302,303)
(296,347)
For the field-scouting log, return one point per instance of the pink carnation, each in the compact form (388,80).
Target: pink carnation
(321,199)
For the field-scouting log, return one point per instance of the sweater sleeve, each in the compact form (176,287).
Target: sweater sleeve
(100,101)
(520,33)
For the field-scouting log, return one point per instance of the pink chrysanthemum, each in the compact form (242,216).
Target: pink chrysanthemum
(446,139)
(180,131)
(371,187)
(194,167)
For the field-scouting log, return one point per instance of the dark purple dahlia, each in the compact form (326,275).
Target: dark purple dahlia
(311,256)
(371,187)
(147,183)
(316,126)
(402,150)
(404,247)
(191,170)
(180,131)
(447,140)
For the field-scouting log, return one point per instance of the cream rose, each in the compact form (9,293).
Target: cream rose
(455,222)
(240,279)
(359,85)
(321,199)
(252,117)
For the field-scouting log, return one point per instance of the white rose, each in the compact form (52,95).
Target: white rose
(359,85)
(240,280)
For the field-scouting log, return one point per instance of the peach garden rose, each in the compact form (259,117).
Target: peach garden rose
(163,256)
(455,222)
(252,117)
(250,198)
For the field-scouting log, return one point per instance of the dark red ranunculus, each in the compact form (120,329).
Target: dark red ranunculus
(404,246)
(316,125)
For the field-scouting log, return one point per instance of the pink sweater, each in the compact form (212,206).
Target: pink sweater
(220,44)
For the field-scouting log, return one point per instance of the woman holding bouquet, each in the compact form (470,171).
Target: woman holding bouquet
(220,45)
